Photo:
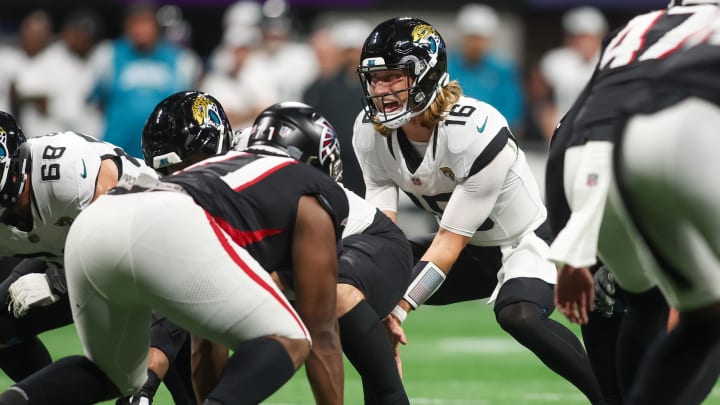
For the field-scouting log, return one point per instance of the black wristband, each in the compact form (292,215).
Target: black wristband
(151,385)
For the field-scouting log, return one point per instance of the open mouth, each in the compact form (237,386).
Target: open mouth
(390,106)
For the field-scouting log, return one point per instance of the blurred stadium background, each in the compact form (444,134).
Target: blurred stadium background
(456,355)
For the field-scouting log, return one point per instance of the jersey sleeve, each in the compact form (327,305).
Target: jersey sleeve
(473,200)
(65,171)
(587,184)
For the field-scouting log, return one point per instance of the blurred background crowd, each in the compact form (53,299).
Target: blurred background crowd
(100,67)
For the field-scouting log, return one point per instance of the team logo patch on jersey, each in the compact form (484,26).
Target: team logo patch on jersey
(206,113)
(592,180)
(448,172)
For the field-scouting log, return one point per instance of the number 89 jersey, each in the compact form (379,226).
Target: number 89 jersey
(456,172)
(64,170)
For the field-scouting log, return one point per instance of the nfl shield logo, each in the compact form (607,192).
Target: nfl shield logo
(415,180)
(592,179)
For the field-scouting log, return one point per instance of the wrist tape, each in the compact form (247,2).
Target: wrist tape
(399,313)
(429,278)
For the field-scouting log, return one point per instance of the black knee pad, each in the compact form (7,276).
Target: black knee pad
(526,289)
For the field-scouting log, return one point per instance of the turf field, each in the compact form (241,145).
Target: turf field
(457,355)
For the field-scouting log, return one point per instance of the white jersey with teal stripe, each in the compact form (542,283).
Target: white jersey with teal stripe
(472,176)
(63,177)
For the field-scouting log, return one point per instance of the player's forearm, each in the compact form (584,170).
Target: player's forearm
(577,243)
(324,369)
(445,249)
(158,362)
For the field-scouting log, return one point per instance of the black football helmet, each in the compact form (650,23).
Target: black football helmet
(14,166)
(301,132)
(183,125)
(411,45)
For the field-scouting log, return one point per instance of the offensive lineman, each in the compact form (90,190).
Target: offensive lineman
(455,157)
(46,183)
(374,255)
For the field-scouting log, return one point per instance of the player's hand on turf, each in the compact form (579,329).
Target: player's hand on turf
(574,293)
(30,291)
(397,336)
(604,292)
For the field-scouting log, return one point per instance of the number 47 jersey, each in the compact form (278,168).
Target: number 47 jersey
(64,171)
(472,175)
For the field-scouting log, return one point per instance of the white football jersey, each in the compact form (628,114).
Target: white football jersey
(361,214)
(471,137)
(63,176)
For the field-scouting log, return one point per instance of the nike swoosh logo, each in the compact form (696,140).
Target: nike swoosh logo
(481,128)
(84,172)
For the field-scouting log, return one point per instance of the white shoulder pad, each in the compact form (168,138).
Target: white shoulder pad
(469,128)
(482,124)
(364,134)
(64,172)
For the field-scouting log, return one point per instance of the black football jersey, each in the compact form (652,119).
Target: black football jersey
(254,198)
(625,82)
(629,62)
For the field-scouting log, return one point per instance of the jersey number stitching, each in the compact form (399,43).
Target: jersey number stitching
(627,46)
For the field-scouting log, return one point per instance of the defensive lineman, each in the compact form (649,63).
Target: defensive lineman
(653,210)
(374,256)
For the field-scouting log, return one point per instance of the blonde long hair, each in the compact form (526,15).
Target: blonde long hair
(446,97)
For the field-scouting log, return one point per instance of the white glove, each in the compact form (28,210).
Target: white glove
(30,291)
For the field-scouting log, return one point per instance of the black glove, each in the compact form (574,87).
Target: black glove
(604,292)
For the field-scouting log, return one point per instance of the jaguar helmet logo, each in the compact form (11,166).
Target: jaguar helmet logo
(426,36)
(3,143)
(206,112)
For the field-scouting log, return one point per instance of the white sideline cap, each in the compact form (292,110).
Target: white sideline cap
(477,19)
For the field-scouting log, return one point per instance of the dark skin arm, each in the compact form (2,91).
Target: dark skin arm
(315,269)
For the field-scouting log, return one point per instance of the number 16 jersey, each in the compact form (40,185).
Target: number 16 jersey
(472,176)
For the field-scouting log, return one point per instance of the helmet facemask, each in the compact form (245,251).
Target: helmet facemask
(13,178)
(413,47)
(371,101)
